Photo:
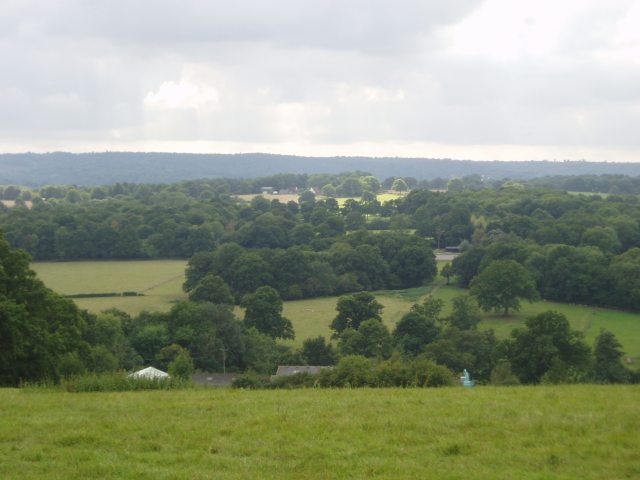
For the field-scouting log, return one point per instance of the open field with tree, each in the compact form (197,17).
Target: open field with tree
(161,282)
(587,432)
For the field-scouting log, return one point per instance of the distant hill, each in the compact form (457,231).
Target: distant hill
(88,169)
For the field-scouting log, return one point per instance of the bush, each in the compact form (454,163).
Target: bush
(394,373)
(182,366)
(426,373)
(299,380)
(250,380)
(119,382)
(502,374)
(352,371)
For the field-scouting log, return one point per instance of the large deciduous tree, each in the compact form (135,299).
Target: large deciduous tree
(501,285)
(546,344)
(37,326)
(355,309)
(263,311)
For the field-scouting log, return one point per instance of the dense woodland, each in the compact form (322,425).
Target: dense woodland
(578,248)
(519,241)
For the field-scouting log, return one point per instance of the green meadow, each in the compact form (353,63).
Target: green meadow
(161,282)
(559,432)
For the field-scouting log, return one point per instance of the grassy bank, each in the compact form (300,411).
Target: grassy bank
(587,432)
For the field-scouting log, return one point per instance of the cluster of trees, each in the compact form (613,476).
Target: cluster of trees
(361,261)
(564,273)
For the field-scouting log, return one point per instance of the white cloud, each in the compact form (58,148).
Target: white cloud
(171,95)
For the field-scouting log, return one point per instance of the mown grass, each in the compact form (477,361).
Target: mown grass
(564,432)
(159,280)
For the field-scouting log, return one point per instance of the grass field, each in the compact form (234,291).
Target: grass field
(160,281)
(559,432)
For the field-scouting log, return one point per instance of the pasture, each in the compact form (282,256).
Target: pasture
(578,431)
(159,280)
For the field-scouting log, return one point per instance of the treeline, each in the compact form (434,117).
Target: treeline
(136,167)
(613,184)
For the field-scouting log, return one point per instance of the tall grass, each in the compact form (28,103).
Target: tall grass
(109,382)
(561,432)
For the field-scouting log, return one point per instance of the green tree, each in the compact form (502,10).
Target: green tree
(447,272)
(547,342)
(355,309)
(414,265)
(465,314)
(455,185)
(501,285)
(607,352)
(329,190)
(414,332)
(370,184)
(503,375)
(182,366)
(316,351)
(372,339)
(352,371)
(37,326)
(263,311)
(212,289)
(399,185)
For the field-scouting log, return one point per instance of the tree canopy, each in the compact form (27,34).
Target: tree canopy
(501,285)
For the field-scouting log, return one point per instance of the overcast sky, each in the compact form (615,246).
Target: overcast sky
(493,79)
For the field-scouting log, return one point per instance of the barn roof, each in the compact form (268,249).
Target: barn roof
(149,372)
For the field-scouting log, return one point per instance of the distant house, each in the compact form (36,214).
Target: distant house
(268,190)
(150,373)
(452,249)
(287,370)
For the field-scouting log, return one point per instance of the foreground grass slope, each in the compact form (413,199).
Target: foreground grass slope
(587,432)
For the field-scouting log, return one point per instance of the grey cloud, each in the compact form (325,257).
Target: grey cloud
(321,71)
(368,25)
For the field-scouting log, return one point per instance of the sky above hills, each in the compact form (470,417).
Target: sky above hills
(472,79)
